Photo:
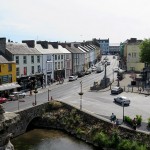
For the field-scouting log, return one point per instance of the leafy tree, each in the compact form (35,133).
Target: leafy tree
(145,51)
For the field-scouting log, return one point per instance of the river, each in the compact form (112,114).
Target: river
(43,139)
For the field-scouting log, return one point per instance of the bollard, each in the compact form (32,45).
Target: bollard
(124,89)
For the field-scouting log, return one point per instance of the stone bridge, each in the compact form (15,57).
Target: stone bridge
(18,122)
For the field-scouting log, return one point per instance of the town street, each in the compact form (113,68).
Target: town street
(96,102)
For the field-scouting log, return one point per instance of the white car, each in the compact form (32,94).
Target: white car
(122,100)
(19,94)
(116,69)
(72,78)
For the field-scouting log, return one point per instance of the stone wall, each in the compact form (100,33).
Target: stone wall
(84,125)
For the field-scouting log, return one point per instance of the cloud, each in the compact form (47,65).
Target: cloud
(66,20)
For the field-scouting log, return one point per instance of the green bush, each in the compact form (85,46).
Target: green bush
(115,139)
(102,140)
(128,145)
(128,120)
(138,119)
(148,122)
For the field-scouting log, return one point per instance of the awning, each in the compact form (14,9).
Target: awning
(9,86)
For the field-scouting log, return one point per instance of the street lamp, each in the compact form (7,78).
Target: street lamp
(113,75)
(123,110)
(35,91)
(81,93)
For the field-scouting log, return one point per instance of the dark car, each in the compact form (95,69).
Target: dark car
(116,90)
(80,74)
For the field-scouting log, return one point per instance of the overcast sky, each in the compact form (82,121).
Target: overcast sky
(74,20)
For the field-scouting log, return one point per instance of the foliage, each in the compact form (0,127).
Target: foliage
(129,145)
(55,105)
(102,140)
(138,119)
(145,51)
(79,131)
(148,122)
(115,139)
(128,120)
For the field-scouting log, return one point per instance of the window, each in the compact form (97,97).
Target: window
(25,59)
(17,72)
(55,65)
(58,65)
(9,67)
(17,59)
(58,57)
(55,57)
(32,69)
(25,70)
(61,56)
(62,66)
(48,57)
(38,59)
(38,68)
(32,59)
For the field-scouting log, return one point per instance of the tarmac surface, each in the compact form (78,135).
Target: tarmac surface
(126,85)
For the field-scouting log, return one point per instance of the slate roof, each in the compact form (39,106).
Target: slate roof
(73,49)
(3,60)
(21,49)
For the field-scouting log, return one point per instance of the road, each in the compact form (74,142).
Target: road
(100,102)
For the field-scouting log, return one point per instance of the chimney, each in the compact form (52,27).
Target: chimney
(30,43)
(69,44)
(44,44)
(76,45)
(54,44)
(63,45)
(3,45)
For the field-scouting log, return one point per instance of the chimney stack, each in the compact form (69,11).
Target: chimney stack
(30,43)
(44,44)
(3,45)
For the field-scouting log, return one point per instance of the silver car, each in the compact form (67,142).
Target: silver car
(122,100)
(72,78)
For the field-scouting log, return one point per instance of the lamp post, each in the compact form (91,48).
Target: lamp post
(35,91)
(81,93)
(123,110)
(105,77)
(113,75)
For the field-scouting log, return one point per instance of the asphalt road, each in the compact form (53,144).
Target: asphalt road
(100,102)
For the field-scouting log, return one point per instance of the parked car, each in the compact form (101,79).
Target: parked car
(93,68)
(81,74)
(87,72)
(72,78)
(116,69)
(108,62)
(17,95)
(116,90)
(122,100)
(3,100)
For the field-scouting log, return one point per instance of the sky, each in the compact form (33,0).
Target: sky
(74,20)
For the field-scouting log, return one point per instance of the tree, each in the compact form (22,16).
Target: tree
(145,51)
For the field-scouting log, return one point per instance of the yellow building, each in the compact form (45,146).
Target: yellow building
(7,75)
(133,56)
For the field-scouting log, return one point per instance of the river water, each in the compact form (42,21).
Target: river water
(42,139)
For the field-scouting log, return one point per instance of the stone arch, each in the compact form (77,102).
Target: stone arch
(32,123)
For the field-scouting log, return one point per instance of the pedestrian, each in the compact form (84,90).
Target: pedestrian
(117,122)
(134,124)
(113,117)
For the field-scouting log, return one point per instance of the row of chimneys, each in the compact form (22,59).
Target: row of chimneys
(44,44)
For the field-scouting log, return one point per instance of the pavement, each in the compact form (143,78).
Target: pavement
(125,84)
